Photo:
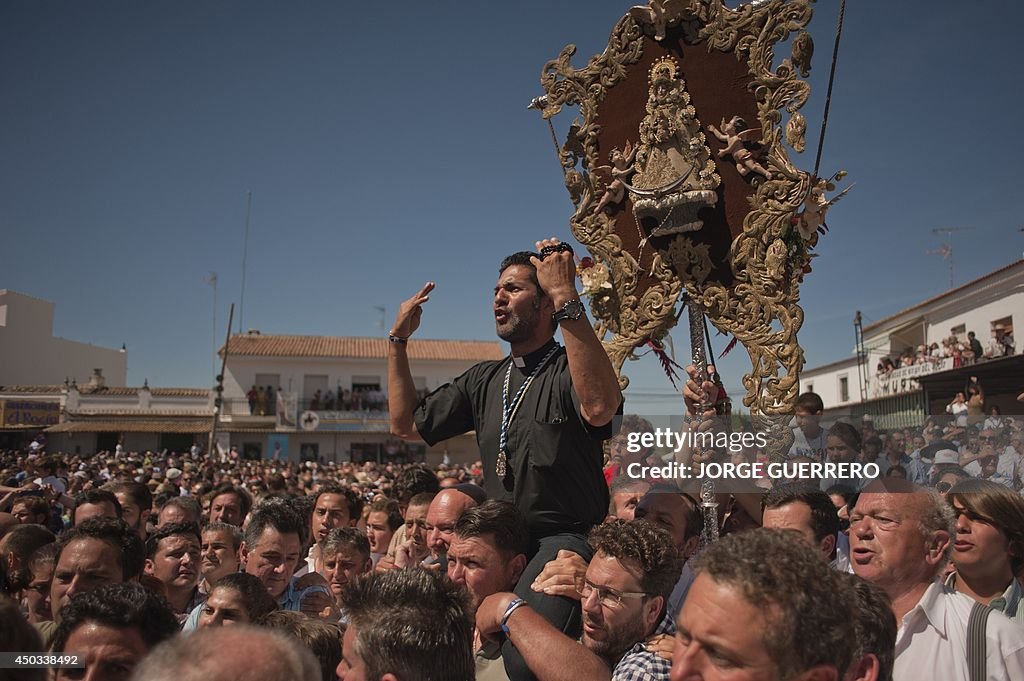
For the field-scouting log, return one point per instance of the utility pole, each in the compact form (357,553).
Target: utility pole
(862,355)
(218,401)
(946,251)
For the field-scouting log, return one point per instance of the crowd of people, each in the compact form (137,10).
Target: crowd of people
(358,399)
(544,560)
(962,352)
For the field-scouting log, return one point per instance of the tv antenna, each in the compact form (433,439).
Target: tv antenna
(946,251)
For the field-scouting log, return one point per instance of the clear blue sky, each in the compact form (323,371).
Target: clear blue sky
(386,144)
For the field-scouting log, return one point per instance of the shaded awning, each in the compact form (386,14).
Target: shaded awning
(133,426)
(880,339)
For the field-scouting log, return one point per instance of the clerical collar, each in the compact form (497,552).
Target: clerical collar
(527,362)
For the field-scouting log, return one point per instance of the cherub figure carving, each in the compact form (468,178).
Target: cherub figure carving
(656,14)
(812,218)
(803,50)
(735,134)
(621,170)
(775,262)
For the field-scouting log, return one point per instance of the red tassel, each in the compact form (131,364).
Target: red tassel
(729,347)
(668,365)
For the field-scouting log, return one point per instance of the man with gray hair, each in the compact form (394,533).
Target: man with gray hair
(224,653)
(900,540)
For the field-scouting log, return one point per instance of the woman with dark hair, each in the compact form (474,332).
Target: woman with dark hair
(237,598)
(842,445)
(988,551)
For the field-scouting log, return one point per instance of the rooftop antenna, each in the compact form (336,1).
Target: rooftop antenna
(946,251)
(245,254)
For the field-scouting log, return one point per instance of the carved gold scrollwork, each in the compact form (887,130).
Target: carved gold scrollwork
(760,304)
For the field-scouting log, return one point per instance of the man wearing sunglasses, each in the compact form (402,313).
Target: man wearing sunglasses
(623,596)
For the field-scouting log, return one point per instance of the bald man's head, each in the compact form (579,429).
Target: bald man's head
(444,510)
(224,653)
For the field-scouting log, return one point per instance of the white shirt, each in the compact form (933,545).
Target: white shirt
(813,448)
(54,482)
(932,641)
(1009,463)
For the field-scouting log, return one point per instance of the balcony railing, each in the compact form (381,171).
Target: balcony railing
(904,380)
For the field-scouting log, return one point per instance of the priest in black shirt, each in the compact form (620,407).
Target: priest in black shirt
(540,415)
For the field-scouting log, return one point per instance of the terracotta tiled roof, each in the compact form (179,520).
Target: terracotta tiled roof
(258,345)
(43,389)
(113,392)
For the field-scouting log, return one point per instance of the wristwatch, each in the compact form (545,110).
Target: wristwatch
(572,310)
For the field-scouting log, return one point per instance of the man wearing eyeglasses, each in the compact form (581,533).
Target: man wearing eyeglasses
(623,596)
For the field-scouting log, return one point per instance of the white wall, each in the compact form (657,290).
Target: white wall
(976,306)
(31,355)
(825,382)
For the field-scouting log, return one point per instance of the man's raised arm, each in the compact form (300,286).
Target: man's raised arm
(402,398)
(593,377)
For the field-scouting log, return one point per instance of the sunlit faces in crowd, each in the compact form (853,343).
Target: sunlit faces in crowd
(96,553)
(488,551)
(36,596)
(625,494)
(110,653)
(136,504)
(31,511)
(331,510)
(219,551)
(989,544)
(675,513)
(616,611)
(111,629)
(173,557)
(889,545)
(96,504)
(223,607)
(416,524)
(238,598)
(807,511)
(229,506)
(272,546)
(346,555)
(709,645)
(442,513)
(743,614)
(179,510)
(381,524)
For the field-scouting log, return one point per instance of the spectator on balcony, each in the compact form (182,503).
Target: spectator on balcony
(1005,339)
(253,397)
(958,408)
(314,402)
(329,400)
(261,401)
(975,344)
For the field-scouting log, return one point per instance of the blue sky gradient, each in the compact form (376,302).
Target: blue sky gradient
(388,144)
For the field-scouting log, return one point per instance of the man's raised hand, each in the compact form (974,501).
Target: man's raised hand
(410,311)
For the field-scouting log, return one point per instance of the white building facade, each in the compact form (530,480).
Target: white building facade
(991,306)
(31,354)
(325,397)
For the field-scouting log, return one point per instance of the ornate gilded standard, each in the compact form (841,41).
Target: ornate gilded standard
(679,170)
